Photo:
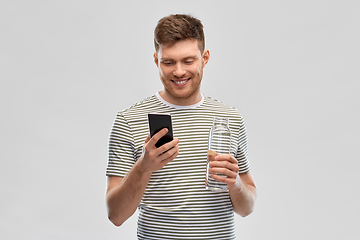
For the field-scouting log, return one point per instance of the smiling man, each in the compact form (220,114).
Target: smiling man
(181,70)
(167,184)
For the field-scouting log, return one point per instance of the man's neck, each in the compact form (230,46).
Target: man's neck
(192,100)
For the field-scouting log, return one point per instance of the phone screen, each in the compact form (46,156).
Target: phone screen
(158,122)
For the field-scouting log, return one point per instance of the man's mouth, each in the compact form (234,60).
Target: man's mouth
(180,82)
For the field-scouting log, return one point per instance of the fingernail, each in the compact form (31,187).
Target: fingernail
(211,153)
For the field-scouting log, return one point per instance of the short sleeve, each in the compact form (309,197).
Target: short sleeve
(242,152)
(121,148)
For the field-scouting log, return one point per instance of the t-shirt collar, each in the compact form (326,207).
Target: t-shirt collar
(179,106)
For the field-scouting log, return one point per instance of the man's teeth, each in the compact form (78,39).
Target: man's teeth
(182,81)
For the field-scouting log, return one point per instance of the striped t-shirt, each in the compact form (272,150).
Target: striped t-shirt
(176,204)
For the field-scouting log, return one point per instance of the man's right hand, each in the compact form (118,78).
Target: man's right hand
(124,194)
(152,158)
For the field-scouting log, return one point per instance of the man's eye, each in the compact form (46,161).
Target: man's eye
(189,61)
(167,63)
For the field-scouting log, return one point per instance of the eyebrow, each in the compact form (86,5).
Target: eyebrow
(170,59)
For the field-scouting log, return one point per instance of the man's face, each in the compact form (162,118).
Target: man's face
(181,70)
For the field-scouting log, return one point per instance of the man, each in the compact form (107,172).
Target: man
(167,184)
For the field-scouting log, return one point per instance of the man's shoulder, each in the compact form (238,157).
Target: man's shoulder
(138,112)
(144,105)
(216,104)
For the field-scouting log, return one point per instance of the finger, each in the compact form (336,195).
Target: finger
(223,179)
(225,171)
(211,155)
(222,161)
(225,157)
(170,155)
(157,136)
(147,138)
(169,145)
(224,164)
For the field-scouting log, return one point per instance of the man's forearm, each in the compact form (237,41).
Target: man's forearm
(124,197)
(243,197)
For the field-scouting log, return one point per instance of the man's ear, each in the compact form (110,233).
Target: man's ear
(156,59)
(205,57)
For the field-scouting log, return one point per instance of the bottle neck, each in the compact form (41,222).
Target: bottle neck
(221,121)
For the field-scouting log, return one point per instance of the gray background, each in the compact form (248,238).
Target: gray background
(290,67)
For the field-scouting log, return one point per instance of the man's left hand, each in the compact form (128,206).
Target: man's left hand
(225,164)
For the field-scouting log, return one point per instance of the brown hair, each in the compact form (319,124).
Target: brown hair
(177,27)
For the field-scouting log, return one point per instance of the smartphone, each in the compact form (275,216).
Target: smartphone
(158,122)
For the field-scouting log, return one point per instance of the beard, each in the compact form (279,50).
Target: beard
(191,89)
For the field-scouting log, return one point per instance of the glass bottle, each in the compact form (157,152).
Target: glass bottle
(219,143)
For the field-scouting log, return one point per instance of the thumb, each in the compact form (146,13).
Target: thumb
(211,155)
(147,138)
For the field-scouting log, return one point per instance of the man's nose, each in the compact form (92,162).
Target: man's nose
(179,70)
